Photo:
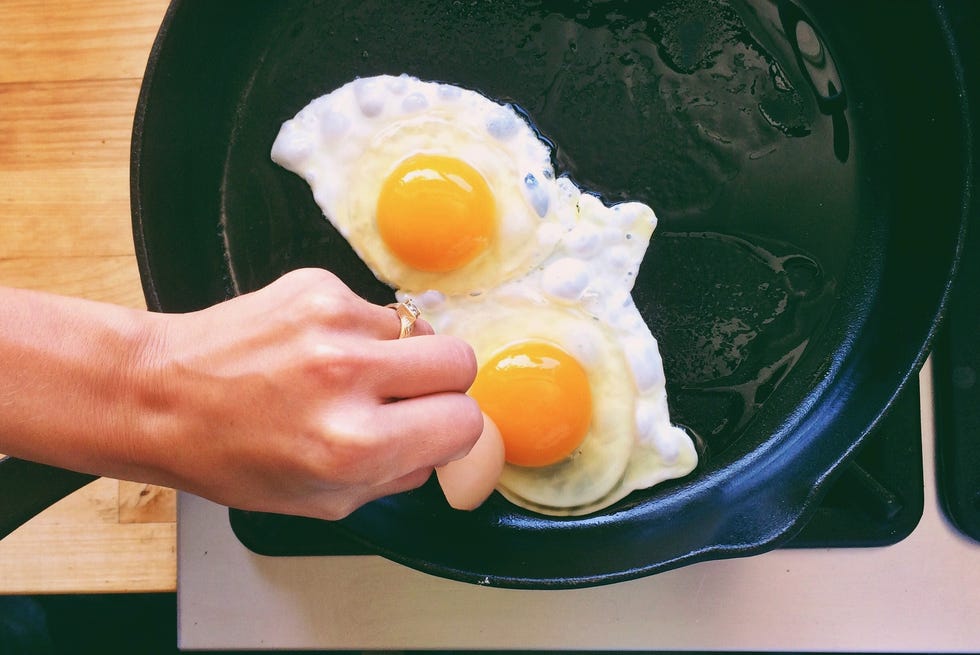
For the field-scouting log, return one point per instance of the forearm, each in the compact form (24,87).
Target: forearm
(72,382)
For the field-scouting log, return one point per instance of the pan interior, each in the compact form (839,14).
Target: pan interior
(779,145)
(680,107)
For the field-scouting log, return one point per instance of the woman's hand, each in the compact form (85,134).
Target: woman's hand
(299,398)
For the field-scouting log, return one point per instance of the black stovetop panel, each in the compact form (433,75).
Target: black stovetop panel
(877,499)
(956,367)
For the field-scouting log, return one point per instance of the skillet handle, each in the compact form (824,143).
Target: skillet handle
(26,488)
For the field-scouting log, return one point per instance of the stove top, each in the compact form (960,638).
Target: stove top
(918,594)
(889,562)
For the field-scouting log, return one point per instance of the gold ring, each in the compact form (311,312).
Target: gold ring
(407,312)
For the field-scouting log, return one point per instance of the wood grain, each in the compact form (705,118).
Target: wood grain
(76,39)
(70,74)
(79,545)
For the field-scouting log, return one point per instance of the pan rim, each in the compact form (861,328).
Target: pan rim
(714,551)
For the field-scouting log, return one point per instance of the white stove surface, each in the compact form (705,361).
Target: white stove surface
(919,595)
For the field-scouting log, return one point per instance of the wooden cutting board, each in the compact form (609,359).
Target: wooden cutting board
(70,74)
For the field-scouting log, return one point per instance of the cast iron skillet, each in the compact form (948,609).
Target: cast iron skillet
(810,165)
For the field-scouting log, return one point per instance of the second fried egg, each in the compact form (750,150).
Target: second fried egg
(569,370)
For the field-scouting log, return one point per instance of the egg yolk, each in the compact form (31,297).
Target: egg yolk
(436,213)
(539,397)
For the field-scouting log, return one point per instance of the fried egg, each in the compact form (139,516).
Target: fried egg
(434,186)
(569,370)
(451,199)
(558,388)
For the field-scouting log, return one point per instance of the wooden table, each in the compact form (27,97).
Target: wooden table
(70,74)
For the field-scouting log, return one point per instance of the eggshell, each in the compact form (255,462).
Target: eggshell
(469,481)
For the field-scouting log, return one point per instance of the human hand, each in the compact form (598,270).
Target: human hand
(299,398)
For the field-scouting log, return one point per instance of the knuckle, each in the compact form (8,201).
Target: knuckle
(346,453)
(470,417)
(320,299)
(300,280)
(310,276)
(469,367)
(465,356)
(318,306)
(461,359)
(335,365)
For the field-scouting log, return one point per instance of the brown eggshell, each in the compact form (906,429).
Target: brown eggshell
(469,481)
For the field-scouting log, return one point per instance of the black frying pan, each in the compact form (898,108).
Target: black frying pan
(810,165)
